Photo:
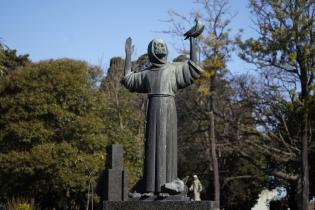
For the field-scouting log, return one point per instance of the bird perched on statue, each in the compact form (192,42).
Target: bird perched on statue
(196,30)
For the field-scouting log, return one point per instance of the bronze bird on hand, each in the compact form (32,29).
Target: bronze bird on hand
(196,30)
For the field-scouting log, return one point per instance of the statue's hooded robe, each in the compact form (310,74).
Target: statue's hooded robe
(161,81)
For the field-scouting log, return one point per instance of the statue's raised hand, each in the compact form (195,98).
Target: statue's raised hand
(129,48)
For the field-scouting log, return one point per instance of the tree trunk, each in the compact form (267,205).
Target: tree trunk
(305,166)
(304,137)
(215,165)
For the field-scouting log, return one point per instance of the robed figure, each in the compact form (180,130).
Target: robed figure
(196,188)
(160,81)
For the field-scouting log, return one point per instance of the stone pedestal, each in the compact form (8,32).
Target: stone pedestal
(160,205)
(115,159)
(113,181)
(116,185)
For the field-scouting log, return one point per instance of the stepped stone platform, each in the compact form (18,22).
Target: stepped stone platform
(160,205)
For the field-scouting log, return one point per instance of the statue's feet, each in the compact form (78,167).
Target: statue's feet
(141,196)
(163,195)
(148,194)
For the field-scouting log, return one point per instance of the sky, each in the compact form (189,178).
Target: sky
(96,30)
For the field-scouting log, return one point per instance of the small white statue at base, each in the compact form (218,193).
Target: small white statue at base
(196,188)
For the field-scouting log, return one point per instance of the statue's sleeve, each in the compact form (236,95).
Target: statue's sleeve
(186,73)
(135,82)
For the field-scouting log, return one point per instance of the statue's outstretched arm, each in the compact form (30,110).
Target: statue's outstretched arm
(129,50)
(193,49)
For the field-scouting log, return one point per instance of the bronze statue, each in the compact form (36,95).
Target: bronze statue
(160,81)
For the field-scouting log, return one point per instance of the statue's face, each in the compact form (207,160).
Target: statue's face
(160,49)
(157,51)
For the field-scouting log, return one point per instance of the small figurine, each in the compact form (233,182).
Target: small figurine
(196,188)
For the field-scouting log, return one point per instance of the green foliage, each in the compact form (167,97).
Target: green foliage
(53,174)
(9,60)
(52,132)
(20,203)
(51,101)
(286,29)
(23,206)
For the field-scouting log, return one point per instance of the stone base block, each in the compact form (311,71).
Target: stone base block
(160,205)
(115,185)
